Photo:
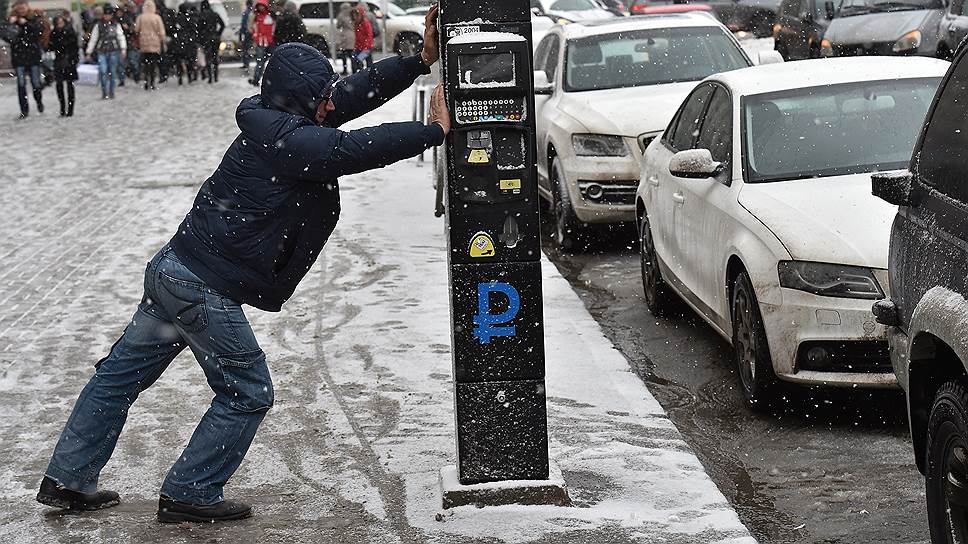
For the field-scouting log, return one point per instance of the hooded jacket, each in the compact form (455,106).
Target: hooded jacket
(150,29)
(210,26)
(260,221)
(25,49)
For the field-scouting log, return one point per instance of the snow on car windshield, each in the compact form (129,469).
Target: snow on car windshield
(649,57)
(858,7)
(834,130)
(573,5)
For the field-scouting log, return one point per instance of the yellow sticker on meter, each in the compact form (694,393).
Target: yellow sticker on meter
(510,184)
(482,246)
(478,156)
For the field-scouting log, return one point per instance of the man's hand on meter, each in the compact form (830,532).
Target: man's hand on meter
(431,42)
(438,109)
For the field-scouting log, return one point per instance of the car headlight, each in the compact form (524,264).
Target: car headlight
(599,145)
(908,42)
(830,280)
(826,49)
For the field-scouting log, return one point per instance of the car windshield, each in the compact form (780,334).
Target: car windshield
(858,7)
(573,5)
(649,57)
(834,130)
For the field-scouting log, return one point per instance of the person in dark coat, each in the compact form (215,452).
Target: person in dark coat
(289,26)
(253,232)
(186,43)
(169,18)
(24,33)
(65,45)
(245,37)
(210,27)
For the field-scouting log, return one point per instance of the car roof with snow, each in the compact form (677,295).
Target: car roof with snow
(599,27)
(833,71)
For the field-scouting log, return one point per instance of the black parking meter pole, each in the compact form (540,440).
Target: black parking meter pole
(494,242)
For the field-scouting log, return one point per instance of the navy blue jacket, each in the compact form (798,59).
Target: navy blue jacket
(259,222)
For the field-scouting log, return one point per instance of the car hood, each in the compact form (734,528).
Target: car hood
(831,220)
(876,27)
(581,15)
(607,111)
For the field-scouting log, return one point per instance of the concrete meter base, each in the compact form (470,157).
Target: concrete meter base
(530,492)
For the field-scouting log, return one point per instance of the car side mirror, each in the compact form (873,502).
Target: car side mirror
(895,187)
(829,11)
(541,83)
(768,57)
(694,164)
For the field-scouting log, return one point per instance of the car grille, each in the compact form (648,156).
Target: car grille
(859,50)
(616,192)
(864,356)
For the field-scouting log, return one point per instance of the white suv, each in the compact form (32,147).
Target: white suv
(404,32)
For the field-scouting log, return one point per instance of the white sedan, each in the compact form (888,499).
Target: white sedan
(755,207)
(603,91)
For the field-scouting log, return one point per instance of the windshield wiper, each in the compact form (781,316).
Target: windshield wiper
(847,11)
(896,6)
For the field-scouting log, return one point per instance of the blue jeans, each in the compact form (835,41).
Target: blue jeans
(108,65)
(35,81)
(178,311)
(262,55)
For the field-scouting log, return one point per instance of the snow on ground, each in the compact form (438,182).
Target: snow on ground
(360,357)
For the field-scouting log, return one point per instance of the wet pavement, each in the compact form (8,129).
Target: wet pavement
(827,466)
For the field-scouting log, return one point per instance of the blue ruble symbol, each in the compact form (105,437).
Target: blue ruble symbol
(487,323)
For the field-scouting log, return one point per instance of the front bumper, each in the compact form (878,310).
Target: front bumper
(602,189)
(803,320)
(876,49)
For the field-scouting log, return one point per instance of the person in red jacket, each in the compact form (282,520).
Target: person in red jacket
(261,27)
(363,50)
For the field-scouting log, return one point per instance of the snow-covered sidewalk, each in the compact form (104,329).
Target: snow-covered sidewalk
(360,356)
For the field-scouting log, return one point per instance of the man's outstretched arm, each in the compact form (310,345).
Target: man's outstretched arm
(313,153)
(371,88)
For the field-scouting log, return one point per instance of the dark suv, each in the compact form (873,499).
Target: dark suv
(927,313)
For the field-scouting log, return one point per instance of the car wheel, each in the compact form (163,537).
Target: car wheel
(753,362)
(946,475)
(408,45)
(568,229)
(658,297)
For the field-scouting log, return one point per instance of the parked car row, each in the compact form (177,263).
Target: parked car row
(751,188)
(825,28)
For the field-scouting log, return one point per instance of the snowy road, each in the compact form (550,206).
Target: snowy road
(360,356)
(833,466)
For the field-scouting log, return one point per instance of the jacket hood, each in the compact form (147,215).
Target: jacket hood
(148,7)
(296,79)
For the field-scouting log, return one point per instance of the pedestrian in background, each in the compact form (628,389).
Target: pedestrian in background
(186,44)
(363,39)
(261,26)
(24,33)
(65,45)
(168,17)
(210,27)
(151,39)
(127,18)
(289,26)
(245,37)
(345,37)
(107,40)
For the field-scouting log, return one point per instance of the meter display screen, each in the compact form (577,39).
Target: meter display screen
(490,70)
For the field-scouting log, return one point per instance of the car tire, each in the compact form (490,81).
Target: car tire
(569,230)
(750,348)
(946,470)
(659,298)
(408,45)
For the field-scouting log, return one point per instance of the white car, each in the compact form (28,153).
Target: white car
(567,11)
(603,91)
(404,32)
(755,207)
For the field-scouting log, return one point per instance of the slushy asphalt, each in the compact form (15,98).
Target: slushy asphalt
(360,356)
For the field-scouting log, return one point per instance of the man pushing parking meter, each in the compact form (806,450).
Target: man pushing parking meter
(494,246)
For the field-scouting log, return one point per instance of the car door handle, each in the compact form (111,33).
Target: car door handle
(654,180)
(679,197)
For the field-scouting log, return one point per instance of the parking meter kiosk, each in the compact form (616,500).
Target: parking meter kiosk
(494,241)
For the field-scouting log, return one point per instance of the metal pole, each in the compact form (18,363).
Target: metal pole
(332,31)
